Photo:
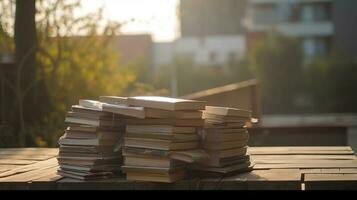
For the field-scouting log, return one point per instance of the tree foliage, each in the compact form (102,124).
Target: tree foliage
(75,59)
(276,61)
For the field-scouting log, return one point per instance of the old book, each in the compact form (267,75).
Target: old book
(89,155)
(224,145)
(94,129)
(164,136)
(96,116)
(142,113)
(95,105)
(94,168)
(219,137)
(226,130)
(114,100)
(159,144)
(189,156)
(82,109)
(166,103)
(95,122)
(222,162)
(172,122)
(222,119)
(130,111)
(229,125)
(85,176)
(87,149)
(151,161)
(155,170)
(146,152)
(156,177)
(90,135)
(224,153)
(87,142)
(226,111)
(159,129)
(88,162)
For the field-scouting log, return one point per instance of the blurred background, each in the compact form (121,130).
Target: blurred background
(292,62)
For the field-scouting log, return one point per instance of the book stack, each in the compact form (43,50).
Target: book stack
(91,145)
(161,138)
(225,139)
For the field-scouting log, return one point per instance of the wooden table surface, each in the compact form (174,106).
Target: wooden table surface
(282,168)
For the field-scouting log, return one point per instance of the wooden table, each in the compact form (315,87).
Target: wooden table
(281,168)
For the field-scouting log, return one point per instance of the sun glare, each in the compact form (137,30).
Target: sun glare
(156,17)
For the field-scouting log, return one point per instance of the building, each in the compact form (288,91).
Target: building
(320,25)
(199,18)
(134,47)
(311,21)
(210,50)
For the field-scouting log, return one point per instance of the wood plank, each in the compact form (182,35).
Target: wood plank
(330,181)
(30,175)
(25,157)
(305,157)
(15,162)
(301,152)
(302,161)
(268,175)
(302,148)
(34,166)
(330,171)
(4,168)
(304,165)
(29,151)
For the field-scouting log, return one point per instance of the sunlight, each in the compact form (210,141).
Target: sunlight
(157,17)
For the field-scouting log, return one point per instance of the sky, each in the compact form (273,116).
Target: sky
(157,17)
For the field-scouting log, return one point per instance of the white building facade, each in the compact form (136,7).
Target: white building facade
(210,50)
(308,20)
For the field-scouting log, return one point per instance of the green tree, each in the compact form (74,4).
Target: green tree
(276,61)
(330,83)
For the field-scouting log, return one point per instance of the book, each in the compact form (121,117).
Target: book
(144,151)
(94,129)
(224,145)
(114,100)
(94,168)
(167,121)
(87,142)
(86,149)
(95,122)
(151,161)
(226,111)
(131,111)
(95,105)
(85,176)
(88,162)
(221,119)
(224,153)
(166,103)
(224,137)
(222,162)
(189,156)
(94,116)
(142,113)
(92,135)
(159,129)
(159,144)
(155,177)
(164,136)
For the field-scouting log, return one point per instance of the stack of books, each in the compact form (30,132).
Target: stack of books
(225,139)
(161,138)
(91,145)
